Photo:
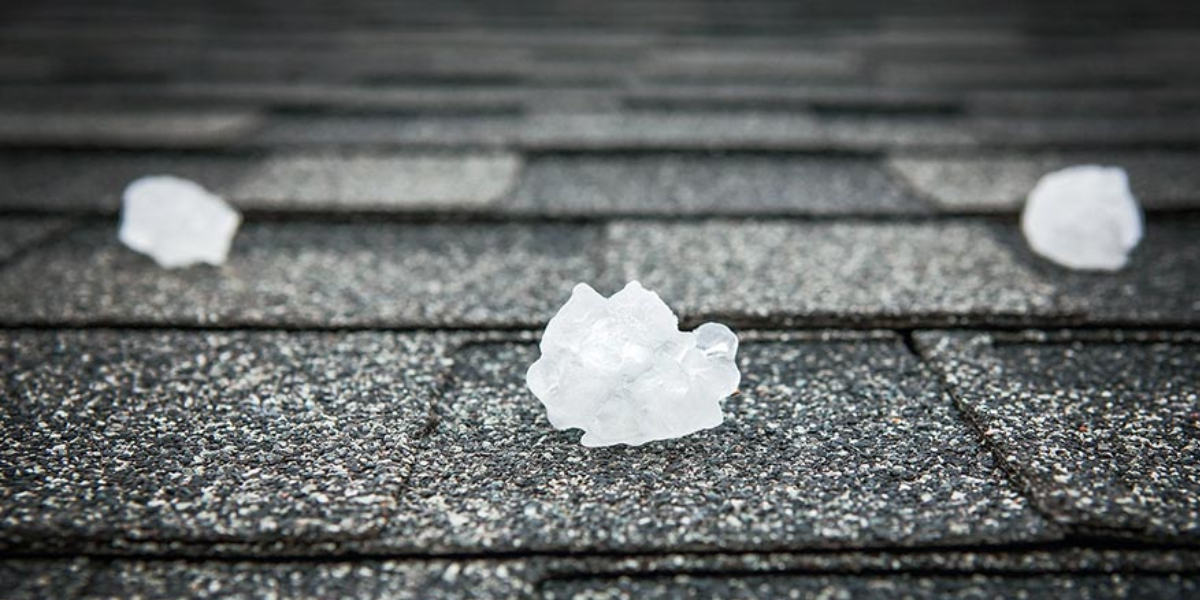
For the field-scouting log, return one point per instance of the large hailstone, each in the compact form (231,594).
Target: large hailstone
(619,369)
(1083,217)
(176,222)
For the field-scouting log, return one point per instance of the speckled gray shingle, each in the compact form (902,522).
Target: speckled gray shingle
(541,576)
(311,275)
(766,130)
(133,439)
(1086,132)
(874,587)
(280,181)
(424,579)
(831,272)
(1102,433)
(19,233)
(422,130)
(126,127)
(834,440)
(94,181)
(1001,182)
(376,181)
(36,579)
(674,184)
(1159,286)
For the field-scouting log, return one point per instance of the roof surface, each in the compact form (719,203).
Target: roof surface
(927,408)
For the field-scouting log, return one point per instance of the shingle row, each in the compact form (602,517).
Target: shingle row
(598,185)
(752,130)
(304,444)
(775,274)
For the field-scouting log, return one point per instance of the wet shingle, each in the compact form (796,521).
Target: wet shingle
(310,275)
(1001,182)
(123,439)
(1102,433)
(831,272)
(673,184)
(832,441)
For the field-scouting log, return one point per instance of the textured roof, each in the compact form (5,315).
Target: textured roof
(927,408)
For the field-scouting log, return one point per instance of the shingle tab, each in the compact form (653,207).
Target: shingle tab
(322,580)
(1001,182)
(19,233)
(311,275)
(876,587)
(435,131)
(674,184)
(1159,286)
(279,181)
(126,128)
(1101,433)
(36,579)
(123,439)
(833,440)
(379,181)
(806,273)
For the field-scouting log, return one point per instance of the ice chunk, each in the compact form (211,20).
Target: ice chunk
(176,222)
(619,369)
(1083,217)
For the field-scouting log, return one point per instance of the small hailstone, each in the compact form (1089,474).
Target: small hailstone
(176,222)
(1083,217)
(619,369)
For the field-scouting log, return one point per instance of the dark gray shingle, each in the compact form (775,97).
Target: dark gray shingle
(1101,433)
(126,440)
(834,440)
(311,275)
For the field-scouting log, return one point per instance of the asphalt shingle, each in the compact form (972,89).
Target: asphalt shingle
(17,234)
(284,181)
(543,576)
(681,184)
(875,587)
(427,580)
(834,440)
(123,440)
(183,128)
(311,275)
(1101,432)
(1001,182)
(34,579)
(791,273)
(1160,285)
(384,182)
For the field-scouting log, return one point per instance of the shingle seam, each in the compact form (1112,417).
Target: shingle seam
(51,237)
(1018,483)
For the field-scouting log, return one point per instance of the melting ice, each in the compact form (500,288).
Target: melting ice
(176,222)
(619,369)
(1083,217)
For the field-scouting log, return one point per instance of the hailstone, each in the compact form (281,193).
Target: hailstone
(619,369)
(176,222)
(1083,217)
